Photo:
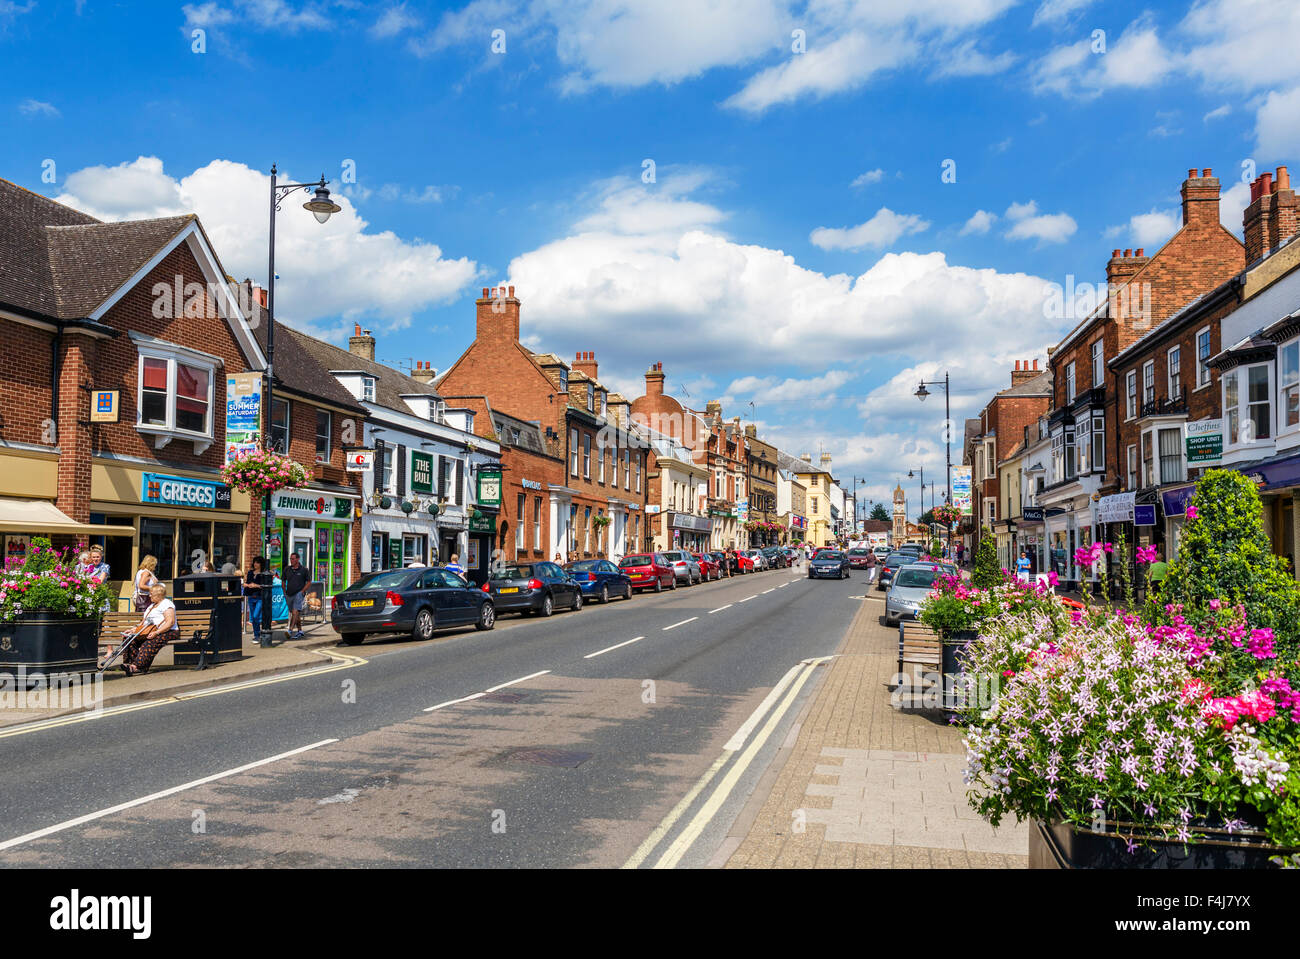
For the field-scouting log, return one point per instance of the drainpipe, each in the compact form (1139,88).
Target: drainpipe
(56,345)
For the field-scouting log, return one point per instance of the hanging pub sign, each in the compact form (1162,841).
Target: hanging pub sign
(359,461)
(489,488)
(421,472)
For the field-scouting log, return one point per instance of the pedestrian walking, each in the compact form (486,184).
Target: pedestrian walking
(295,579)
(144,581)
(454,564)
(871,566)
(1022,567)
(254,596)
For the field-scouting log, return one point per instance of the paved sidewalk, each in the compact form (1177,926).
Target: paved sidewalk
(861,784)
(164,679)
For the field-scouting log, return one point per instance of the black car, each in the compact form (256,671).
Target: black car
(830,563)
(776,558)
(415,601)
(600,579)
(891,566)
(529,588)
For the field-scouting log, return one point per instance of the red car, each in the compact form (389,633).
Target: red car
(709,568)
(649,571)
(744,563)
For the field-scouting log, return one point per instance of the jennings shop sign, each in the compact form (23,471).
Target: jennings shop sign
(307,503)
(161,490)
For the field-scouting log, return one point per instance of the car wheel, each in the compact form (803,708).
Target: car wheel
(674,586)
(627,591)
(487,616)
(659,586)
(548,605)
(351,639)
(604,595)
(423,625)
(577,601)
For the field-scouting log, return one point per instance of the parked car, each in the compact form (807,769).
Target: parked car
(830,563)
(709,568)
(649,571)
(415,601)
(909,590)
(858,558)
(744,564)
(600,579)
(726,566)
(529,588)
(756,558)
(684,566)
(776,558)
(890,566)
(881,551)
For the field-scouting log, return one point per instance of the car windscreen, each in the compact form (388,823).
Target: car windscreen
(388,579)
(512,572)
(916,578)
(830,554)
(897,559)
(636,561)
(585,566)
(857,552)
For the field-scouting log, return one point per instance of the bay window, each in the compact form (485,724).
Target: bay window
(1246,403)
(1289,374)
(1083,444)
(1132,467)
(175,393)
(1098,458)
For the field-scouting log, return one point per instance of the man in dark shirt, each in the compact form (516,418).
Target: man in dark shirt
(294,580)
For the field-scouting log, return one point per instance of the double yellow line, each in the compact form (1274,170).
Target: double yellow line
(337,661)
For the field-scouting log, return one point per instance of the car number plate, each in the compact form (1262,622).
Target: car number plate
(509,589)
(358,603)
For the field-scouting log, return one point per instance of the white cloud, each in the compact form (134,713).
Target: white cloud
(393,21)
(338,270)
(1029,224)
(965,60)
(1217,113)
(843,64)
(871,176)
(1277,124)
(882,230)
(979,223)
(1153,228)
(1232,204)
(1137,59)
(32,107)
(772,389)
(1056,12)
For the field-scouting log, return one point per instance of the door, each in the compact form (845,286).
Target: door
(434,590)
(301,544)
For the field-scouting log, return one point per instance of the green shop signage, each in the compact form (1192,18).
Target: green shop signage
(489,488)
(422,472)
(310,504)
(483,523)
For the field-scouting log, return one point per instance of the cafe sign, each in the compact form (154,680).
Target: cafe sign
(311,504)
(158,489)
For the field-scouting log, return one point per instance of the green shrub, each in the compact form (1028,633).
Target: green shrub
(987,573)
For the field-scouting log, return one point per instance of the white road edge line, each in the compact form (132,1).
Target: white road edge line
(90,817)
(453,702)
(540,672)
(772,590)
(615,646)
(748,598)
(661,830)
(682,623)
(710,808)
(721,608)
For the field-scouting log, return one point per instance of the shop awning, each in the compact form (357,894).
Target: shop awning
(42,516)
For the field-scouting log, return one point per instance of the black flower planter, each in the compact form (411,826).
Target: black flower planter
(953,663)
(47,642)
(1062,846)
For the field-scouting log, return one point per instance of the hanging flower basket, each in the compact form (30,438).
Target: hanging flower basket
(946,515)
(600,522)
(262,472)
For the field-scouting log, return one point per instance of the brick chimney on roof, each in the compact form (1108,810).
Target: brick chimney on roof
(1201,199)
(1271,216)
(1023,372)
(1123,265)
(423,372)
(654,380)
(497,315)
(586,363)
(361,343)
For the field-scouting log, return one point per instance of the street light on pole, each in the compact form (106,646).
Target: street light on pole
(322,208)
(921,394)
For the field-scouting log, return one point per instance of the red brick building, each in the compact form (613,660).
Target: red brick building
(599,504)
(142,309)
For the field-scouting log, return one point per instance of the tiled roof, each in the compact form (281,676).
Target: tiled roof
(297,369)
(63,264)
(390,384)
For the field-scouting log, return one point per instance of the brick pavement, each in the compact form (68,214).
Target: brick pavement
(862,784)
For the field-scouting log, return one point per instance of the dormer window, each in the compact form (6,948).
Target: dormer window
(368,389)
(438,411)
(591,398)
(564,380)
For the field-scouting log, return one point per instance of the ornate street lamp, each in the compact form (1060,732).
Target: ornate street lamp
(921,394)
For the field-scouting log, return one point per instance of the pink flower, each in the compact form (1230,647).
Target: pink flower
(1191,512)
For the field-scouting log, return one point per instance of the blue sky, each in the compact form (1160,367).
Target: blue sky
(798,246)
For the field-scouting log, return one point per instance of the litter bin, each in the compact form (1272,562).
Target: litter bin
(222,595)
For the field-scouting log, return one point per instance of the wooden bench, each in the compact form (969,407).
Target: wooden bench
(193,626)
(918,645)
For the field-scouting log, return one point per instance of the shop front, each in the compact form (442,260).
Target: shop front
(482,539)
(317,525)
(689,531)
(1067,528)
(184,520)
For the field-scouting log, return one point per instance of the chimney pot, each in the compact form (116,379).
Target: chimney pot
(1283,178)
(1141,251)
(512,291)
(485,292)
(1035,364)
(1115,253)
(1128,253)
(356,329)
(1206,172)
(1265,183)
(1191,174)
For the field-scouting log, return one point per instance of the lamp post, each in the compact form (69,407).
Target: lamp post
(921,394)
(912,474)
(322,208)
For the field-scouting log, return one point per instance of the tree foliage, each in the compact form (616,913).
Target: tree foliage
(987,573)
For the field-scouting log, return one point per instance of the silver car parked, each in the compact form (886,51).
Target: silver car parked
(909,590)
(685,566)
(760,561)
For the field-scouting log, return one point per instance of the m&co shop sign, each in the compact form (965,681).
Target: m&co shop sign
(305,504)
(158,489)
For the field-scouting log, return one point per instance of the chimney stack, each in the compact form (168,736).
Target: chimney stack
(1271,217)
(1022,373)
(497,315)
(1123,264)
(1201,199)
(654,380)
(362,344)
(586,363)
(423,372)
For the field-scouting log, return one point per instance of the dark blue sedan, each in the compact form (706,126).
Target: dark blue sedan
(829,564)
(600,579)
(415,601)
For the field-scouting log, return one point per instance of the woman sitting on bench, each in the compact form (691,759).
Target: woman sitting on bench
(156,630)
